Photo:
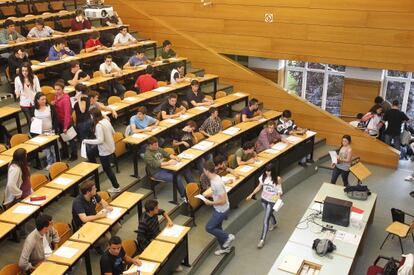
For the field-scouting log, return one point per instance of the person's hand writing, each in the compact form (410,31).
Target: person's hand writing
(136,262)
(170,224)
(172,162)
(186,144)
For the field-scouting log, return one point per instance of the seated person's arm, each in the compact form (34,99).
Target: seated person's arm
(102,107)
(167,217)
(85,219)
(137,130)
(24,261)
(241,162)
(130,260)
(86,78)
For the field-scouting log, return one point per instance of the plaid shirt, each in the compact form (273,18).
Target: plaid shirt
(211,126)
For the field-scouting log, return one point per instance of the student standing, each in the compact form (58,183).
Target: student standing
(105,146)
(84,123)
(272,190)
(395,119)
(18,179)
(343,161)
(221,208)
(26,85)
(373,120)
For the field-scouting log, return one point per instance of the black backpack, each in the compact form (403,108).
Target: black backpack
(390,268)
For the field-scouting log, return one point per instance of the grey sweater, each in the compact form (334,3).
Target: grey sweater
(104,138)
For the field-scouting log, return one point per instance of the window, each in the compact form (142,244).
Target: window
(399,86)
(320,84)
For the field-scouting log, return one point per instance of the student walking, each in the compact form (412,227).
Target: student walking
(221,208)
(344,161)
(272,190)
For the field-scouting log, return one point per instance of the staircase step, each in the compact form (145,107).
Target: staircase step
(225,87)
(197,71)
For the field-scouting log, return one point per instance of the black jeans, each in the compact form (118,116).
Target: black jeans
(84,130)
(106,165)
(344,174)
(28,114)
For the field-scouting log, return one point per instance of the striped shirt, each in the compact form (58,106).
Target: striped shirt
(211,126)
(148,229)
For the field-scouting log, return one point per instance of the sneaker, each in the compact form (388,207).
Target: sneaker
(272,226)
(409,178)
(114,190)
(179,269)
(260,244)
(47,167)
(222,251)
(183,200)
(230,239)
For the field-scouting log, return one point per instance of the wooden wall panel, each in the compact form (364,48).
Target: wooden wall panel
(358,95)
(272,75)
(196,47)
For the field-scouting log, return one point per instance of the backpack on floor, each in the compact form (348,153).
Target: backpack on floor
(357,192)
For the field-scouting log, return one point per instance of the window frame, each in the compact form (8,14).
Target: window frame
(406,80)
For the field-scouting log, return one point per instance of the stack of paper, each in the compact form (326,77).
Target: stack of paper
(201,108)
(185,155)
(139,135)
(204,145)
(228,178)
(246,169)
(271,151)
(62,181)
(334,157)
(173,231)
(279,146)
(162,89)
(39,140)
(24,209)
(36,126)
(171,121)
(231,131)
(293,139)
(114,214)
(146,267)
(66,252)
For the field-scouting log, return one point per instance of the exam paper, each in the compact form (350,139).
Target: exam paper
(184,116)
(171,121)
(246,168)
(114,214)
(347,237)
(162,89)
(113,107)
(201,108)
(70,134)
(185,155)
(36,126)
(139,135)
(279,146)
(231,131)
(66,252)
(146,267)
(130,99)
(271,151)
(173,231)
(204,145)
(228,178)
(293,139)
(201,197)
(309,132)
(62,181)
(238,94)
(39,140)
(24,209)
(334,157)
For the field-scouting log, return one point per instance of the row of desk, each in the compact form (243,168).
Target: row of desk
(44,16)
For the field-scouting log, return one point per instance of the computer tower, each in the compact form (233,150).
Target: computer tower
(336,211)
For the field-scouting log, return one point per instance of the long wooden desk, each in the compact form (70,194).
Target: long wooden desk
(7,113)
(86,170)
(50,268)
(347,248)
(32,17)
(128,200)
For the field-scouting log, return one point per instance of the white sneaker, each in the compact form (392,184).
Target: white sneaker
(179,269)
(183,199)
(272,226)
(230,239)
(260,244)
(409,178)
(114,190)
(222,251)
(47,167)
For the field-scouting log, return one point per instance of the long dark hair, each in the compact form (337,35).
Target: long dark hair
(273,175)
(20,159)
(347,137)
(96,115)
(30,74)
(374,109)
(36,99)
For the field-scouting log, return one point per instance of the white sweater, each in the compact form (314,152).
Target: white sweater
(104,138)
(14,181)
(26,94)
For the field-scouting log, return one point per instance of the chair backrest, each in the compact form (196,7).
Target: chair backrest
(3,148)
(209,97)
(130,93)
(64,231)
(130,247)
(231,160)
(10,269)
(120,146)
(397,215)
(47,89)
(226,123)
(197,137)
(97,74)
(220,94)
(169,150)
(35,62)
(113,99)
(57,168)
(38,180)
(50,97)
(162,83)
(17,139)
(192,189)
(105,196)
(237,119)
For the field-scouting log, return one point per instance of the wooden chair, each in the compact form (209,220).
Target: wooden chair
(11,269)
(105,196)
(197,137)
(209,97)
(152,181)
(130,93)
(57,168)
(162,83)
(50,97)
(113,99)
(64,231)
(17,139)
(226,123)
(97,74)
(130,247)
(38,180)
(169,150)
(193,189)
(3,148)
(220,94)
(120,147)
(231,159)
(399,228)
(47,90)
(237,119)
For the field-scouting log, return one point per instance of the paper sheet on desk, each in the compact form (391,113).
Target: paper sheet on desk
(139,135)
(227,178)
(156,129)
(113,107)
(146,267)
(238,94)
(279,146)
(173,231)
(39,140)
(171,121)
(258,162)
(24,209)
(184,116)
(231,131)
(246,169)
(334,157)
(114,214)
(66,252)
(271,151)
(70,134)
(130,99)
(36,126)
(162,89)
(204,145)
(347,237)
(309,132)
(201,108)
(184,155)
(2,161)
(62,181)
(27,200)
(293,139)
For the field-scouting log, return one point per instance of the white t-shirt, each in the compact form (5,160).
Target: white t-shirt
(46,247)
(26,93)
(218,188)
(270,189)
(46,117)
(105,69)
(173,75)
(123,39)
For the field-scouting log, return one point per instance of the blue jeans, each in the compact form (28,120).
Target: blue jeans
(214,226)
(50,155)
(268,217)
(168,176)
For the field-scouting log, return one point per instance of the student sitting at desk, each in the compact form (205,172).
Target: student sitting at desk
(114,260)
(169,107)
(196,97)
(9,35)
(177,74)
(94,103)
(75,74)
(111,69)
(149,226)
(267,137)
(80,22)
(244,155)
(40,30)
(212,125)
(167,51)
(59,50)
(156,158)
(222,169)
(141,122)
(124,37)
(137,59)
(93,43)
(16,60)
(251,112)
(84,210)
(183,138)
(146,82)
(113,20)
(39,244)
